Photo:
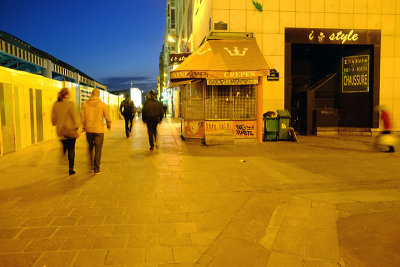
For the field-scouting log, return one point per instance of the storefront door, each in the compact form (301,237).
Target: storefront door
(331,84)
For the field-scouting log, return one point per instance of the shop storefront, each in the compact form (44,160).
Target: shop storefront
(221,91)
(332,79)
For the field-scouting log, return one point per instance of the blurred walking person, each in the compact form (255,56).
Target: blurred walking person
(65,117)
(165,108)
(152,115)
(386,138)
(127,109)
(94,111)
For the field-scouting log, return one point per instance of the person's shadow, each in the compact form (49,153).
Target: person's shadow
(44,189)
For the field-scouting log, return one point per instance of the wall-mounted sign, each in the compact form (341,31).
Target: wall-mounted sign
(355,74)
(331,36)
(273,75)
(221,26)
(342,36)
(178,58)
(231,81)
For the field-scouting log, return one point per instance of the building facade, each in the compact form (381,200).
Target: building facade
(333,60)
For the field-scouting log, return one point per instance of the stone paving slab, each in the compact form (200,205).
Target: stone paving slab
(186,204)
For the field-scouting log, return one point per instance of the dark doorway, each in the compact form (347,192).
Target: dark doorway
(316,79)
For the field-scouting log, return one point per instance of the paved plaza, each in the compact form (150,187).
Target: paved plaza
(319,202)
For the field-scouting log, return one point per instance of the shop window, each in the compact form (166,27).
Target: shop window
(192,105)
(244,102)
(230,102)
(218,102)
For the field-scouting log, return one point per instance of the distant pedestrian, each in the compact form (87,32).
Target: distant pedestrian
(386,138)
(165,108)
(94,111)
(65,117)
(127,109)
(152,114)
(139,111)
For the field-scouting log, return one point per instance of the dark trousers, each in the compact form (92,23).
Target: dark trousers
(128,119)
(152,131)
(95,140)
(69,145)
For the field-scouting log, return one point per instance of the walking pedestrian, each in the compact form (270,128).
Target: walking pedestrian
(65,117)
(152,115)
(127,109)
(387,129)
(94,111)
(165,108)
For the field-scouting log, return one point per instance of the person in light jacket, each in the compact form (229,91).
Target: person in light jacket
(94,111)
(65,117)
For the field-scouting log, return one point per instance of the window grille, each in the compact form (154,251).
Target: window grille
(230,102)
(244,102)
(218,102)
(193,101)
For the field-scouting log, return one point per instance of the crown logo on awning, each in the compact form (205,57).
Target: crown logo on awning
(236,52)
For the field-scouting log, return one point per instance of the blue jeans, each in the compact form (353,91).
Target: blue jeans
(95,140)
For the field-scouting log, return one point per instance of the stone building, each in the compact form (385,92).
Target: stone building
(329,63)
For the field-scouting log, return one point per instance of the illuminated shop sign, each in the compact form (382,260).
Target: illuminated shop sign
(355,74)
(178,58)
(331,36)
(342,36)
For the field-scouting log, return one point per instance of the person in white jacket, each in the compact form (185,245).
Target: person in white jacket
(93,113)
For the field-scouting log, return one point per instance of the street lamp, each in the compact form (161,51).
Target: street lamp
(171,39)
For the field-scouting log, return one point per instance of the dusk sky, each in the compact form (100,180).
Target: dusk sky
(113,42)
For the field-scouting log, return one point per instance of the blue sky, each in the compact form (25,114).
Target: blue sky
(113,42)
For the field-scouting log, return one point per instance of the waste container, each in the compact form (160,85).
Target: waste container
(270,126)
(283,124)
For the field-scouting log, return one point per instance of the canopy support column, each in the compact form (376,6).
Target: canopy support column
(259,103)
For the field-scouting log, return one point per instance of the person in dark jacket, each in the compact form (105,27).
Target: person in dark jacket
(165,108)
(127,109)
(152,114)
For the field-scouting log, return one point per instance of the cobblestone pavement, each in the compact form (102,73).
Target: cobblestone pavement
(320,202)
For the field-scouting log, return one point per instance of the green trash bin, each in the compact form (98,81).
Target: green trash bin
(284,119)
(270,128)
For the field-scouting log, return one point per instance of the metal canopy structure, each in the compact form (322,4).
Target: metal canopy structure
(19,64)
(19,55)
